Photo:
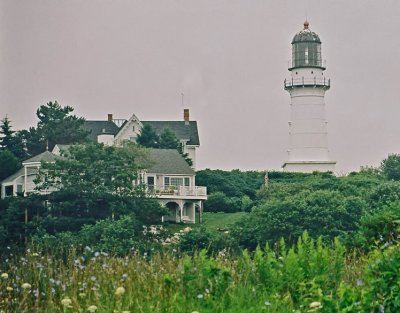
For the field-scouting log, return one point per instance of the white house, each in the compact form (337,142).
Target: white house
(172,181)
(117,131)
(169,179)
(22,182)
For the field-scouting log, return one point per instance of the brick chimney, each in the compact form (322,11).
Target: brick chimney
(186,116)
(109,117)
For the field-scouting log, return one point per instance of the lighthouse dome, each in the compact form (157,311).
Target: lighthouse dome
(306,35)
(306,49)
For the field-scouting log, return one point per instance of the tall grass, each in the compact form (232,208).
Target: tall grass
(307,277)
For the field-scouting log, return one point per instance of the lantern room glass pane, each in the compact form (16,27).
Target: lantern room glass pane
(306,54)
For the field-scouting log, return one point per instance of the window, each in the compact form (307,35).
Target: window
(150,182)
(176,181)
(187,181)
(133,128)
(19,188)
(9,190)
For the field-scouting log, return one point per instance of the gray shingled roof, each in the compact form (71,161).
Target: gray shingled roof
(179,128)
(96,128)
(168,161)
(20,172)
(45,156)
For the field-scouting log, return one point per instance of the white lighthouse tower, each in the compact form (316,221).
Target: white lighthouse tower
(307,85)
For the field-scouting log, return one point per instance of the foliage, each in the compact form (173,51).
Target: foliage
(321,213)
(384,194)
(168,140)
(213,242)
(380,228)
(96,181)
(382,279)
(56,125)
(232,183)
(219,202)
(308,276)
(9,164)
(391,166)
(11,141)
(148,137)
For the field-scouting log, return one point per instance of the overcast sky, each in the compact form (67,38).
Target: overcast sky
(228,57)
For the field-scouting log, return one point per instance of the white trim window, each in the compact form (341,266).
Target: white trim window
(171,181)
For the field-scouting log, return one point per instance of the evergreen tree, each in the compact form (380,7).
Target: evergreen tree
(148,137)
(9,164)
(184,155)
(56,125)
(11,140)
(168,140)
(7,133)
(390,166)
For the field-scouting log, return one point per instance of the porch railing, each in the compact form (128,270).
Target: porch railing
(181,191)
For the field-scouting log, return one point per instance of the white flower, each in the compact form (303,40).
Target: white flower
(92,309)
(315,305)
(4,275)
(267,303)
(119,291)
(66,302)
(26,286)
(9,288)
(200,296)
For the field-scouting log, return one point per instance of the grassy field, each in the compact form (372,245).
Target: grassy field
(211,221)
(310,277)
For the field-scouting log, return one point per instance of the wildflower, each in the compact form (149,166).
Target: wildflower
(92,309)
(26,286)
(82,295)
(126,311)
(267,303)
(359,282)
(200,296)
(66,302)
(9,288)
(315,305)
(4,275)
(35,254)
(119,291)
(195,312)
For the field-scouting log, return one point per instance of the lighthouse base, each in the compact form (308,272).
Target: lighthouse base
(309,166)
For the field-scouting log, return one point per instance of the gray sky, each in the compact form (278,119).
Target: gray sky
(228,57)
